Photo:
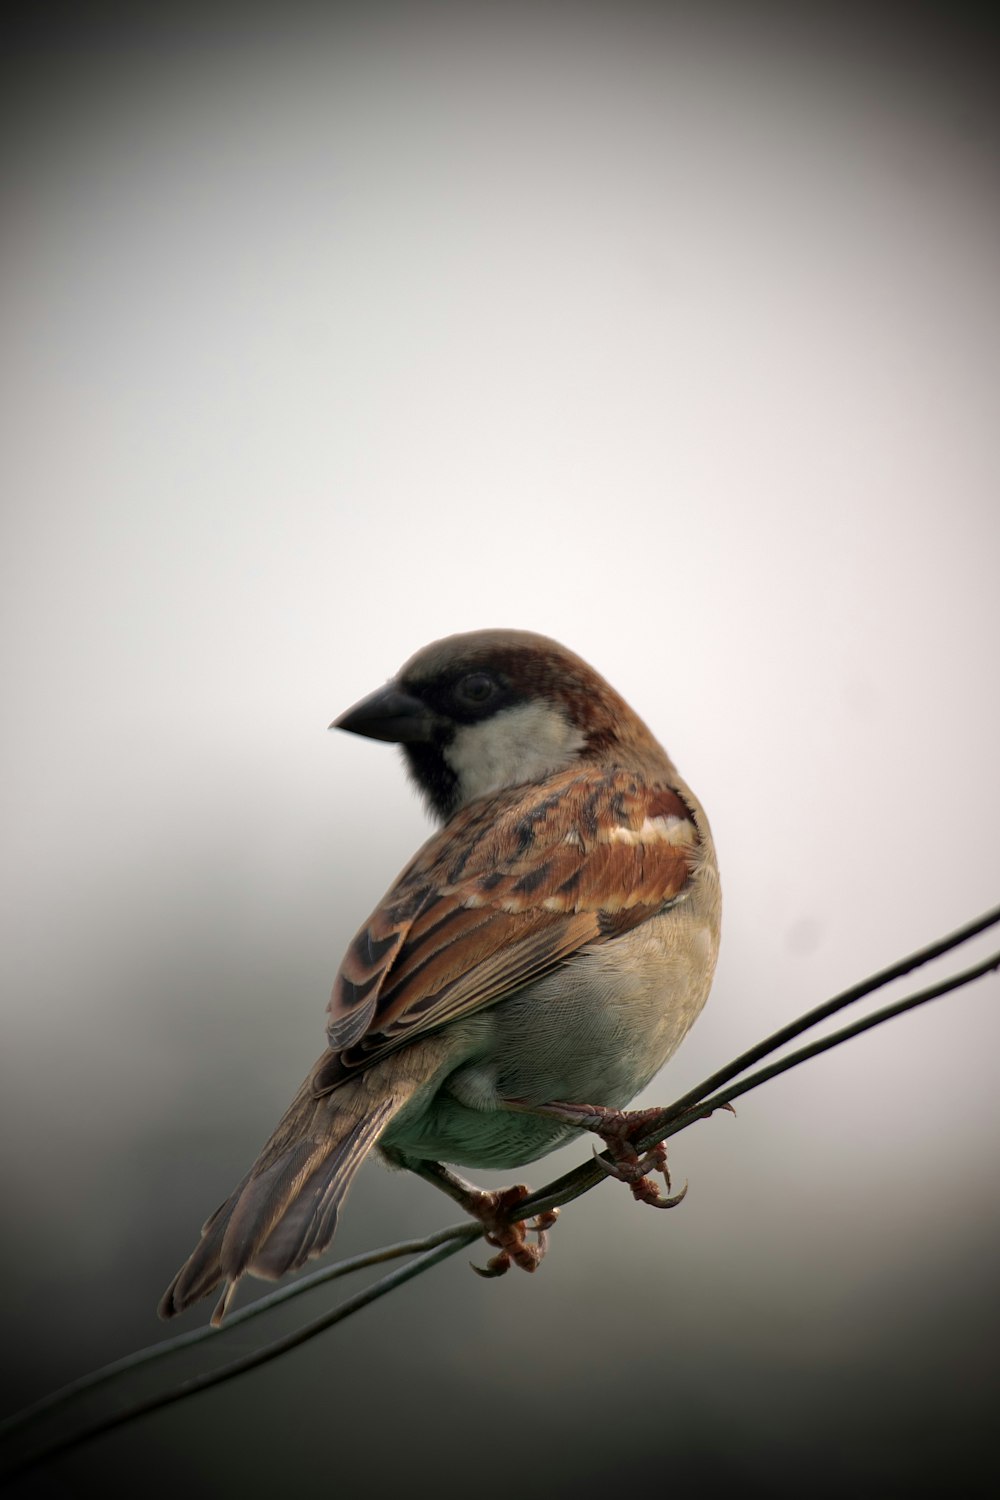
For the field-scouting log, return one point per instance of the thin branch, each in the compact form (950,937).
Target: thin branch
(708,1106)
(830,1007)
(686,1111)
(95,1378)
(698,1101)
(260,1356)
(697,1104)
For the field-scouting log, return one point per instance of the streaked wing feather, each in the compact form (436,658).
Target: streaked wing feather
(366,964)
(502,895)
(507,967)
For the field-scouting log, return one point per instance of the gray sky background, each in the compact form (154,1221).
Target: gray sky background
(673,333)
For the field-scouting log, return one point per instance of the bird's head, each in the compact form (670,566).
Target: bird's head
(491,709)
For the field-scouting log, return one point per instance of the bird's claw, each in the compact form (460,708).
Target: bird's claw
(627,1166)
(623,1162)
(498,1266)
(708,1113)
(509,1235)
(647,1191)
(632,1169)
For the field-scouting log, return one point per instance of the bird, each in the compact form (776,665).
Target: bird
(523,979)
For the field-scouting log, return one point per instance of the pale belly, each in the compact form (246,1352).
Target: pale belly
(595,1032)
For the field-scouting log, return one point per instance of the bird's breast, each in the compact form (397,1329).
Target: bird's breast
(595,1031)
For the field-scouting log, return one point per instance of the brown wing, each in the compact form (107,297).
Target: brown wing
(509,890)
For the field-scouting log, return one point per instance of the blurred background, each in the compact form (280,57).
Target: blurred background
(671,331)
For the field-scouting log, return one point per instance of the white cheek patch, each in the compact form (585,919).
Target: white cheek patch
(525,743)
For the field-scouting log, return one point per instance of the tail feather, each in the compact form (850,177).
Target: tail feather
(307,1225)
(284,1212)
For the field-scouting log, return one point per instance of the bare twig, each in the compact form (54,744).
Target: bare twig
(257,1357)
(839,1002)
(95,1378)
(698,1103)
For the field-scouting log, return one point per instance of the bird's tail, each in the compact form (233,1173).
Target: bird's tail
(284,1212)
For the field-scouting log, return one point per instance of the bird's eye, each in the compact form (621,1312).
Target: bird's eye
(475,689)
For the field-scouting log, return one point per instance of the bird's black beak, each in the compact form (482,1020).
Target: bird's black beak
(390,714)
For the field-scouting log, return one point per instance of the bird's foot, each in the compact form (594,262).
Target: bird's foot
(508,1234)
(496,1211)
(618,1129)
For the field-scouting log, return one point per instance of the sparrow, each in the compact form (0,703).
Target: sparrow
(528,973)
